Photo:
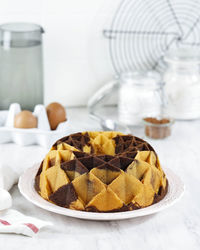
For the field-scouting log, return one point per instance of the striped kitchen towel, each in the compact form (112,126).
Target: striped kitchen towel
(12,221)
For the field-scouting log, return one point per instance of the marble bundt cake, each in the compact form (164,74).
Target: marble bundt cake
(101,172)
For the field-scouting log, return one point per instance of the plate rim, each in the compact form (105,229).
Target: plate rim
(24,187)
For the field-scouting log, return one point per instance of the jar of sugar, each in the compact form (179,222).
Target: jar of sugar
(182,83)
(140,95)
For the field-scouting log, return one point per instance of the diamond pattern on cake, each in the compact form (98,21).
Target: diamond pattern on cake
(101,172)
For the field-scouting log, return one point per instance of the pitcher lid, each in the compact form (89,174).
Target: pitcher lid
(21,27)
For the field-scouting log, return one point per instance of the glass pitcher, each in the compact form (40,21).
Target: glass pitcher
(21,65)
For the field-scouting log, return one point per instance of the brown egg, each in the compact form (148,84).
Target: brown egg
(56,114)
(25,119)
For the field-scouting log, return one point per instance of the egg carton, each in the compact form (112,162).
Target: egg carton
(42,135)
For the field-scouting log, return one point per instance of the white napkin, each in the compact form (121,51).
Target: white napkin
(12,221)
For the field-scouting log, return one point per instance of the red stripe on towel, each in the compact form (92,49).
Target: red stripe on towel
(32,227)
(4,222)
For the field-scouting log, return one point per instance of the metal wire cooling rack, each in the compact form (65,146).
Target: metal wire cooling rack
(142,31)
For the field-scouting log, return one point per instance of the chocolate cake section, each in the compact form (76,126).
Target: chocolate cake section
(79,154)
(130,144)
(77,140)
(130,155)
(124,208)
(91,162)
(74,165)
(121,162)
(106,158)
(37,178)
(64,195)
(161,193)
(52,162)
(109,167)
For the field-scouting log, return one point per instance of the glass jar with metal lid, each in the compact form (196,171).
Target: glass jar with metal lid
(140,96)
(182,83)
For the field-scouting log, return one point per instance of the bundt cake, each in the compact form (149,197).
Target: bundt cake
(101,172)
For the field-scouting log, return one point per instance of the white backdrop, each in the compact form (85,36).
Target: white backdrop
(76,58)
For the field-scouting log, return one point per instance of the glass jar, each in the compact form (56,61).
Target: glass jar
(182,83)
(139,96)
(21,67)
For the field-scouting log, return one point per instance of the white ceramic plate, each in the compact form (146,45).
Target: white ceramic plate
(26,187)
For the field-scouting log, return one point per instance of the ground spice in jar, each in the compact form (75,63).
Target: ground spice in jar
(157,128)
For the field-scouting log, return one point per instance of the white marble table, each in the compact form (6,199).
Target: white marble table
(177,227)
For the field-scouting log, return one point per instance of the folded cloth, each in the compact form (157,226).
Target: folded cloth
(5,199)
(7,179)
(12,221)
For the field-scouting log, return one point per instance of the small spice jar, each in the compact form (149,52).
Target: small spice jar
(157,128)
